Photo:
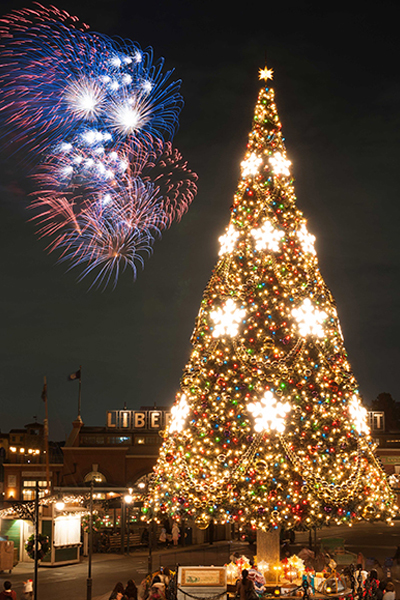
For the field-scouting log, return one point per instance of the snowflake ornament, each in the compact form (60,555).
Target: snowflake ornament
(269,413)
(309,319)
(280,164)
(228,240)
(306,239)
(179,414)
(227,319)
(359,415)
(267,237)
(251,165)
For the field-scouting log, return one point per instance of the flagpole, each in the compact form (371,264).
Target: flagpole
(46,432)
(80,390)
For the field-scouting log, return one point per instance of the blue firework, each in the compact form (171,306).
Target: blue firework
(97,116)
(56,79)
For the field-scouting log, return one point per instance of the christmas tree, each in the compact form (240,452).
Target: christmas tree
(268,427)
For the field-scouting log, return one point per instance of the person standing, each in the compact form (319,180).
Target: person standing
(390,593)
(163,536)
(8,593)
(118,592)
(131,591)
(175,533)
(245,587)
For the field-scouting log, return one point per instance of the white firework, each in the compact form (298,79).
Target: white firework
(85,99)
(129,116)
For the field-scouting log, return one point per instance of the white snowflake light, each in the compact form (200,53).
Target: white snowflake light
(309,319)
(251,165)
(227,319)
(179,414)
(269,413)
(228,240)
(267,236)
(280,164)
(359,415)
(306,239)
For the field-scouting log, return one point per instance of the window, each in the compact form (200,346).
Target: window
(119,439)
(92,440)
(29,491)
(152,439)
(376,420)
(147,439)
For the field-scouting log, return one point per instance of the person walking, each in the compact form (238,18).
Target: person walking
(8,593)
(27,591)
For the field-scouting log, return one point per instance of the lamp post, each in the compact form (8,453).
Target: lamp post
(122,523)
(89,577)
(128,499)
(35,576)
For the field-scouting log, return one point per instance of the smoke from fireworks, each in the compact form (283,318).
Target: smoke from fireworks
(96,117)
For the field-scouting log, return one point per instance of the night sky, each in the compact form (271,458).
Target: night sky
(338,95)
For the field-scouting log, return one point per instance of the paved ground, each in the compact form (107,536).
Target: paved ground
(69,582)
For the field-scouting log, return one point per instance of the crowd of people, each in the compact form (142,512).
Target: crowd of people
(375,589)
(155,589)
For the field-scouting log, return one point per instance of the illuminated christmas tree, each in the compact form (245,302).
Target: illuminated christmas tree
(268,427)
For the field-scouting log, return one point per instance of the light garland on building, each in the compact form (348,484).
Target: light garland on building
(273,432)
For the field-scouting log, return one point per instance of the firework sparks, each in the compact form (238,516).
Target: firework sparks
(97,116)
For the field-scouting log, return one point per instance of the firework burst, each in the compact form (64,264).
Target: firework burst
(97,116)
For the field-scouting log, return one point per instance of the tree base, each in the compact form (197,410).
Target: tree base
(268,551)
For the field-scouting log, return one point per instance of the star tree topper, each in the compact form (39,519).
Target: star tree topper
(266,73)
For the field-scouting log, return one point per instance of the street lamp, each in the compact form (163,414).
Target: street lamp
(60,504)
(89,577)
(128,499)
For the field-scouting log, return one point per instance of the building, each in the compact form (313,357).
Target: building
(119,454)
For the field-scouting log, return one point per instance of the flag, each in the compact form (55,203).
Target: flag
(44,392)
(73,376)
